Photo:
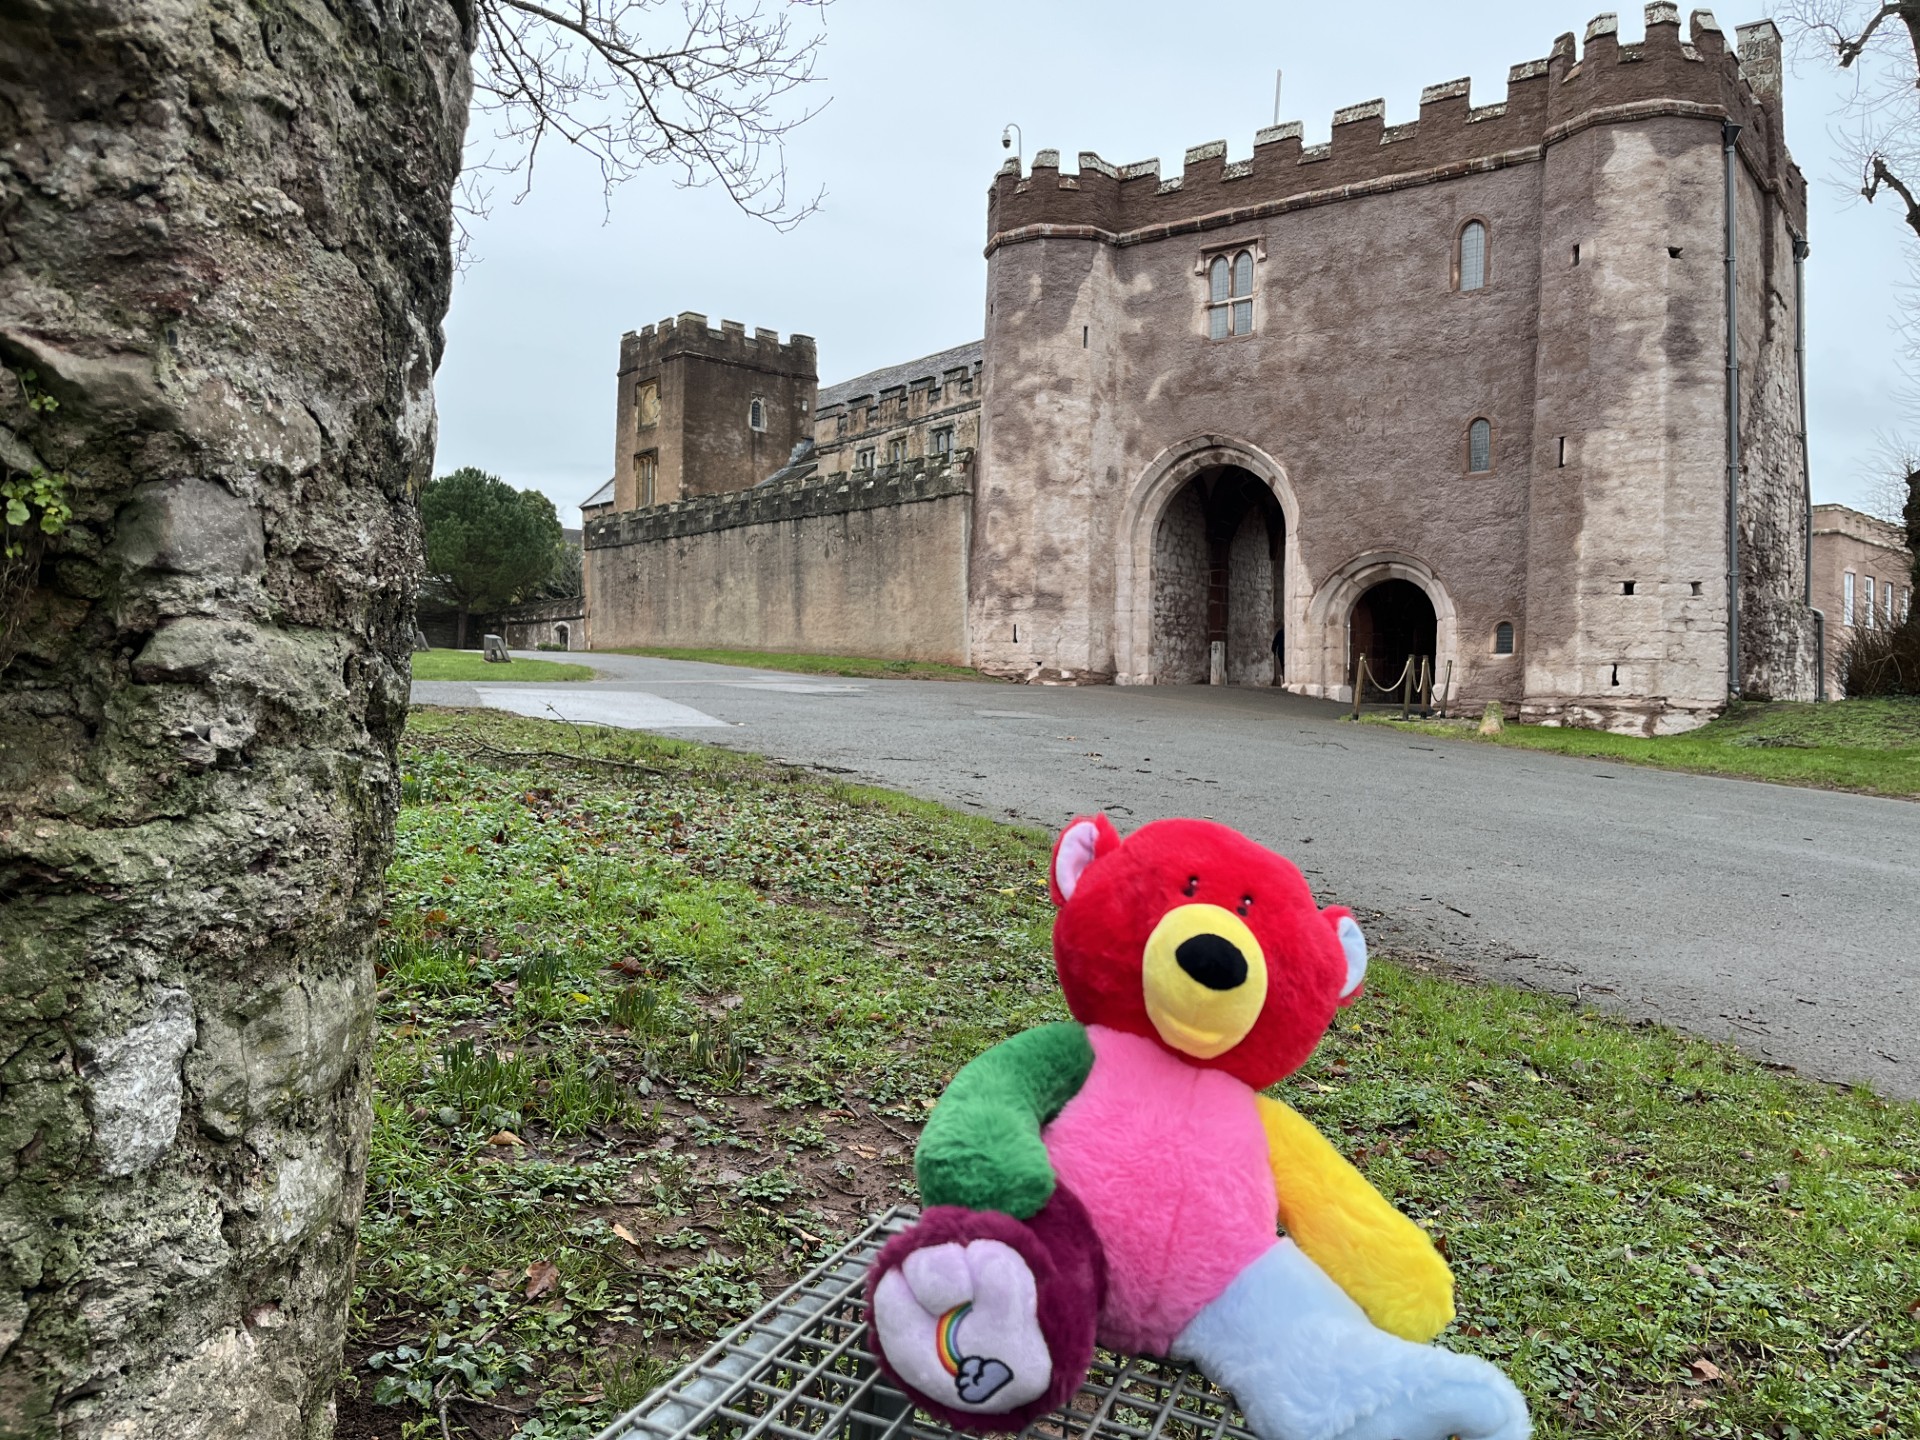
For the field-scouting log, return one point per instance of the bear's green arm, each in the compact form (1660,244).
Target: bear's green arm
(982,1146)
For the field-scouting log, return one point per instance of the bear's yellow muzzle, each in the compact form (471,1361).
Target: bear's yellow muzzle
(1205,980)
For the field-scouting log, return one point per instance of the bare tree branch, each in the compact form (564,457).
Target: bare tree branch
(700,86)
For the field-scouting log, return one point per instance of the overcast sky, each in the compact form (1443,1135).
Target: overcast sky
(891,268)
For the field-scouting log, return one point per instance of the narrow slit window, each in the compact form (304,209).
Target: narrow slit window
(1473,256)
(1230,295)
(1561,462)
(757,414)
(1846,597)
(1503,638)
(1480,446)
(1867,595)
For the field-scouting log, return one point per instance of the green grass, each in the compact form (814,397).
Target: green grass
(855,665)
(1868,745)
(652,1039)
(467,665)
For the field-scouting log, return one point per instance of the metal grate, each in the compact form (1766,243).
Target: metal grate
(800,1370)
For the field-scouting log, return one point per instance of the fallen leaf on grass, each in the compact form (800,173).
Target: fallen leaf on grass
(626,1235)
(1705,1369)
(504,1137)
(542,1276)
(1479,1087)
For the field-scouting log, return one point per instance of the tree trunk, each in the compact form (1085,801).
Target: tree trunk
(224,254)
(460,629)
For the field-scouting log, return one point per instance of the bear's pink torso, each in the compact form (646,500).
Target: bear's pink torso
(1170,1161)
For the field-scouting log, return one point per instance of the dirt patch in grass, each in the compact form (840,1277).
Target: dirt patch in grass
(1871,746)
(656,1036)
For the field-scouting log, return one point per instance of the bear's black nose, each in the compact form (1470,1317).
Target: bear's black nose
(1214,962)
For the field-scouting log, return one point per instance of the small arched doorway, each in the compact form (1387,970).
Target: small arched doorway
(1217,578)
(563,635)
(1392,622)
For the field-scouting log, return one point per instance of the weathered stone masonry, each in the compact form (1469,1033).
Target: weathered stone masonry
(1596,349)
(871,564)
(1154,482)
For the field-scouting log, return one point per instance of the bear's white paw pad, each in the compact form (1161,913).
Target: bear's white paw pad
(1477,1402)
(960,1324)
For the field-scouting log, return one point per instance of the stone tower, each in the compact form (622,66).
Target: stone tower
(704,411)
(1465,390)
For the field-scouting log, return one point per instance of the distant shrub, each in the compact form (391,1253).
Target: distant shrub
(1882,661)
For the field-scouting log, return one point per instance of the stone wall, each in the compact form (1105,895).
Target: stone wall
(873,565)
(1250,621)
(1180,650)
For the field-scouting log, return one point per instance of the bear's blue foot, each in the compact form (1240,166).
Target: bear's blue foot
(1305,1363)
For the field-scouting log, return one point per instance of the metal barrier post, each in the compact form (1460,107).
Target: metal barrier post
(1406,691)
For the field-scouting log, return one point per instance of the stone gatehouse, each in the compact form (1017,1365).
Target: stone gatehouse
(1468,388)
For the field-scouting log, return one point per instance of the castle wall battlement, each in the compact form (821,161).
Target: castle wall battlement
(924,478)
(1572,88)
(689,334)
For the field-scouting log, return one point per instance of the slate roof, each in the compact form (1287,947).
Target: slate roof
(602,496)
(926,367)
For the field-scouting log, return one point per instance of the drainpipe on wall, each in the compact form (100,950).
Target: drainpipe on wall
(1800,253)
(1729,137)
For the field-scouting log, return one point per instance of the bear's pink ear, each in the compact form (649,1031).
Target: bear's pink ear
(1353,945)
(1080,844)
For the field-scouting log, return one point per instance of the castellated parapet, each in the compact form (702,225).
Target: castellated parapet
(925,478)
(704,411)
(1547,100)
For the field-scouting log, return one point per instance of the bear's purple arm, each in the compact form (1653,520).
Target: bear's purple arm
(982,1147)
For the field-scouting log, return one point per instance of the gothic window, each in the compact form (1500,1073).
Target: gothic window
(1480,446)
(943,441)
(863,458)
(1473,256)
(646,476)
(646,397)
(1230,295)
(896,450)
(1503,638)
(757,414)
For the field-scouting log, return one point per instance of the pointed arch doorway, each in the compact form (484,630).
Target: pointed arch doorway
(1393,622)
(1208,551)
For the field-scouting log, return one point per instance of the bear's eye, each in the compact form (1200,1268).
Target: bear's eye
(1193,884)
(1246,904)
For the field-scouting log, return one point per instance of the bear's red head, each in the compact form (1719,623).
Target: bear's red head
(1190,934)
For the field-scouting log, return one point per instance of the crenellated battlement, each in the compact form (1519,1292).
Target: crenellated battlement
(902,483)
(1593,81)
(689,334)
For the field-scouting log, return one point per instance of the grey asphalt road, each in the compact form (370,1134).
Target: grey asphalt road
(1780,918)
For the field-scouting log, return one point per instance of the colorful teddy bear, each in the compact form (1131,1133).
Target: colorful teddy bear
(1121,1179)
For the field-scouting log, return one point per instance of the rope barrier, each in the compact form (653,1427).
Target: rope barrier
(1410,682)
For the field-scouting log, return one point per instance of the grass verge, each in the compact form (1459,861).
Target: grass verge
(1870,745)
(859,666)
(467,665)
(658,1023)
